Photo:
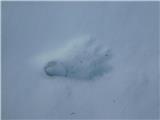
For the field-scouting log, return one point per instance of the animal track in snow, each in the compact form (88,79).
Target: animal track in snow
(81,58)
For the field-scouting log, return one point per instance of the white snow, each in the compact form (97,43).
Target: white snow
(34,34)
(83,58)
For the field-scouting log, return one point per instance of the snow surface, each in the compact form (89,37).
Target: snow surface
(83,58)
(35,33)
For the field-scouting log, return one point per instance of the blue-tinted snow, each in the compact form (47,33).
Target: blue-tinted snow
(82,58)
(32,32)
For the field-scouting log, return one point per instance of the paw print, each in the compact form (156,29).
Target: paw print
(85,59)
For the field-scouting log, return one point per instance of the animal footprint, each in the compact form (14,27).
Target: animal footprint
(82,58)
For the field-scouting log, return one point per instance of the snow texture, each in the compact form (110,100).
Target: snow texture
(81,58)
(112,47)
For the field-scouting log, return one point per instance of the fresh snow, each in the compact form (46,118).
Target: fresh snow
(120,38)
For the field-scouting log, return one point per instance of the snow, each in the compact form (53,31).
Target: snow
(36,33)
(83,58)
